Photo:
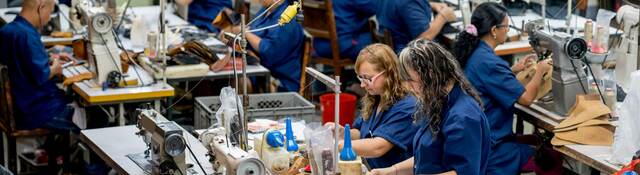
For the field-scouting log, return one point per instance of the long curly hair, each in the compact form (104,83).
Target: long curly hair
(384,59)
(437,70)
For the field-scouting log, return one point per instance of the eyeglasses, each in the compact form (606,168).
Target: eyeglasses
(503,25)
(369,80)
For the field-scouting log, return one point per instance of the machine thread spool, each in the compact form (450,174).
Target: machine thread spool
(588,32)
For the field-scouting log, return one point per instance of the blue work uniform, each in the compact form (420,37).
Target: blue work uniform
(394,125)
(280,48)
(499,90)
(202,13)
(463,141)
(405,20)
(352,26)
(36,98)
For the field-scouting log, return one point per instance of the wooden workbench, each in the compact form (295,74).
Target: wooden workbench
(593,156)
(93,94)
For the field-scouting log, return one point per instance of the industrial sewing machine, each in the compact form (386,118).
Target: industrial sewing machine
(229,158)
(166,143)
(568,78)
(102,50)
(626,52)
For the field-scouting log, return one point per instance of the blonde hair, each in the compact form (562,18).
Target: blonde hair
(384,59)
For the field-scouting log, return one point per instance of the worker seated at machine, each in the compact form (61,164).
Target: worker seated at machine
(278,48)
(384,133)
(454,135)
(39,103)
(497,85)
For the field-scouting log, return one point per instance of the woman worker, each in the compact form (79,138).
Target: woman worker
(496,83)
(454,135)
(385,129)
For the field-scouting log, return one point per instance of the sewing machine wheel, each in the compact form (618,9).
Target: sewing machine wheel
(174,145)
(250,167)
(576,48)
(101,23)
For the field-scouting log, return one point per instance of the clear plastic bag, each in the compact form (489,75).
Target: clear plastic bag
(626,140)
(320,142)
(227,114)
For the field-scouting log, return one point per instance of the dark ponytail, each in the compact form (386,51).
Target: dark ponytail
(484,17)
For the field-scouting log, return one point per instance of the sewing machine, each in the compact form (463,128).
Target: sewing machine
(568,78)
(626,52)
(101,45)
(229,158)
(166,142)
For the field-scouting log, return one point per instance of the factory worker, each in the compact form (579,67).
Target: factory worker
(407,20)
(280,48)
(202,12)
(454,135)
(37,101)
(384,132)
(496,83)
(352,26)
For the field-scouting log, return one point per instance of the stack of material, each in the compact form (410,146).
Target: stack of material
(587,124)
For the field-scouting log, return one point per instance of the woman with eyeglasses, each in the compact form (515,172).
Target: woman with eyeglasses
(454,135)
(496,83)
(383,133)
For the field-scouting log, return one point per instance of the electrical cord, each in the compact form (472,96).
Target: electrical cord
(194,156)
(263,13)
(578,75)
(124,13)
(121,46)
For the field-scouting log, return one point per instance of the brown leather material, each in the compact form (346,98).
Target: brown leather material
(77,78)
(527,74)
(587,107)
(587,135)
(587,123)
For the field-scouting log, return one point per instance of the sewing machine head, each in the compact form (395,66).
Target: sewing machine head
(228,158)
(102,50)
(568,76)
(166,142)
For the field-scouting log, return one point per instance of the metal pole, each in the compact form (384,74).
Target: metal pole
(163,44)
(245,97)
(336,120)
(569,16)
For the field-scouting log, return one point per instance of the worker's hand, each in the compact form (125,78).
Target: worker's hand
(56,67)
(448,14)
(236,29)
(524,63)
(332,126)
(384,171)
(544,66)
(437,6)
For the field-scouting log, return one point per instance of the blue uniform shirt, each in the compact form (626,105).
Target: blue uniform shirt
(394,125)
(499,90)
(352,25)
(36,98)
(280,48)
(463,142)
(405,19)
(202,13)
